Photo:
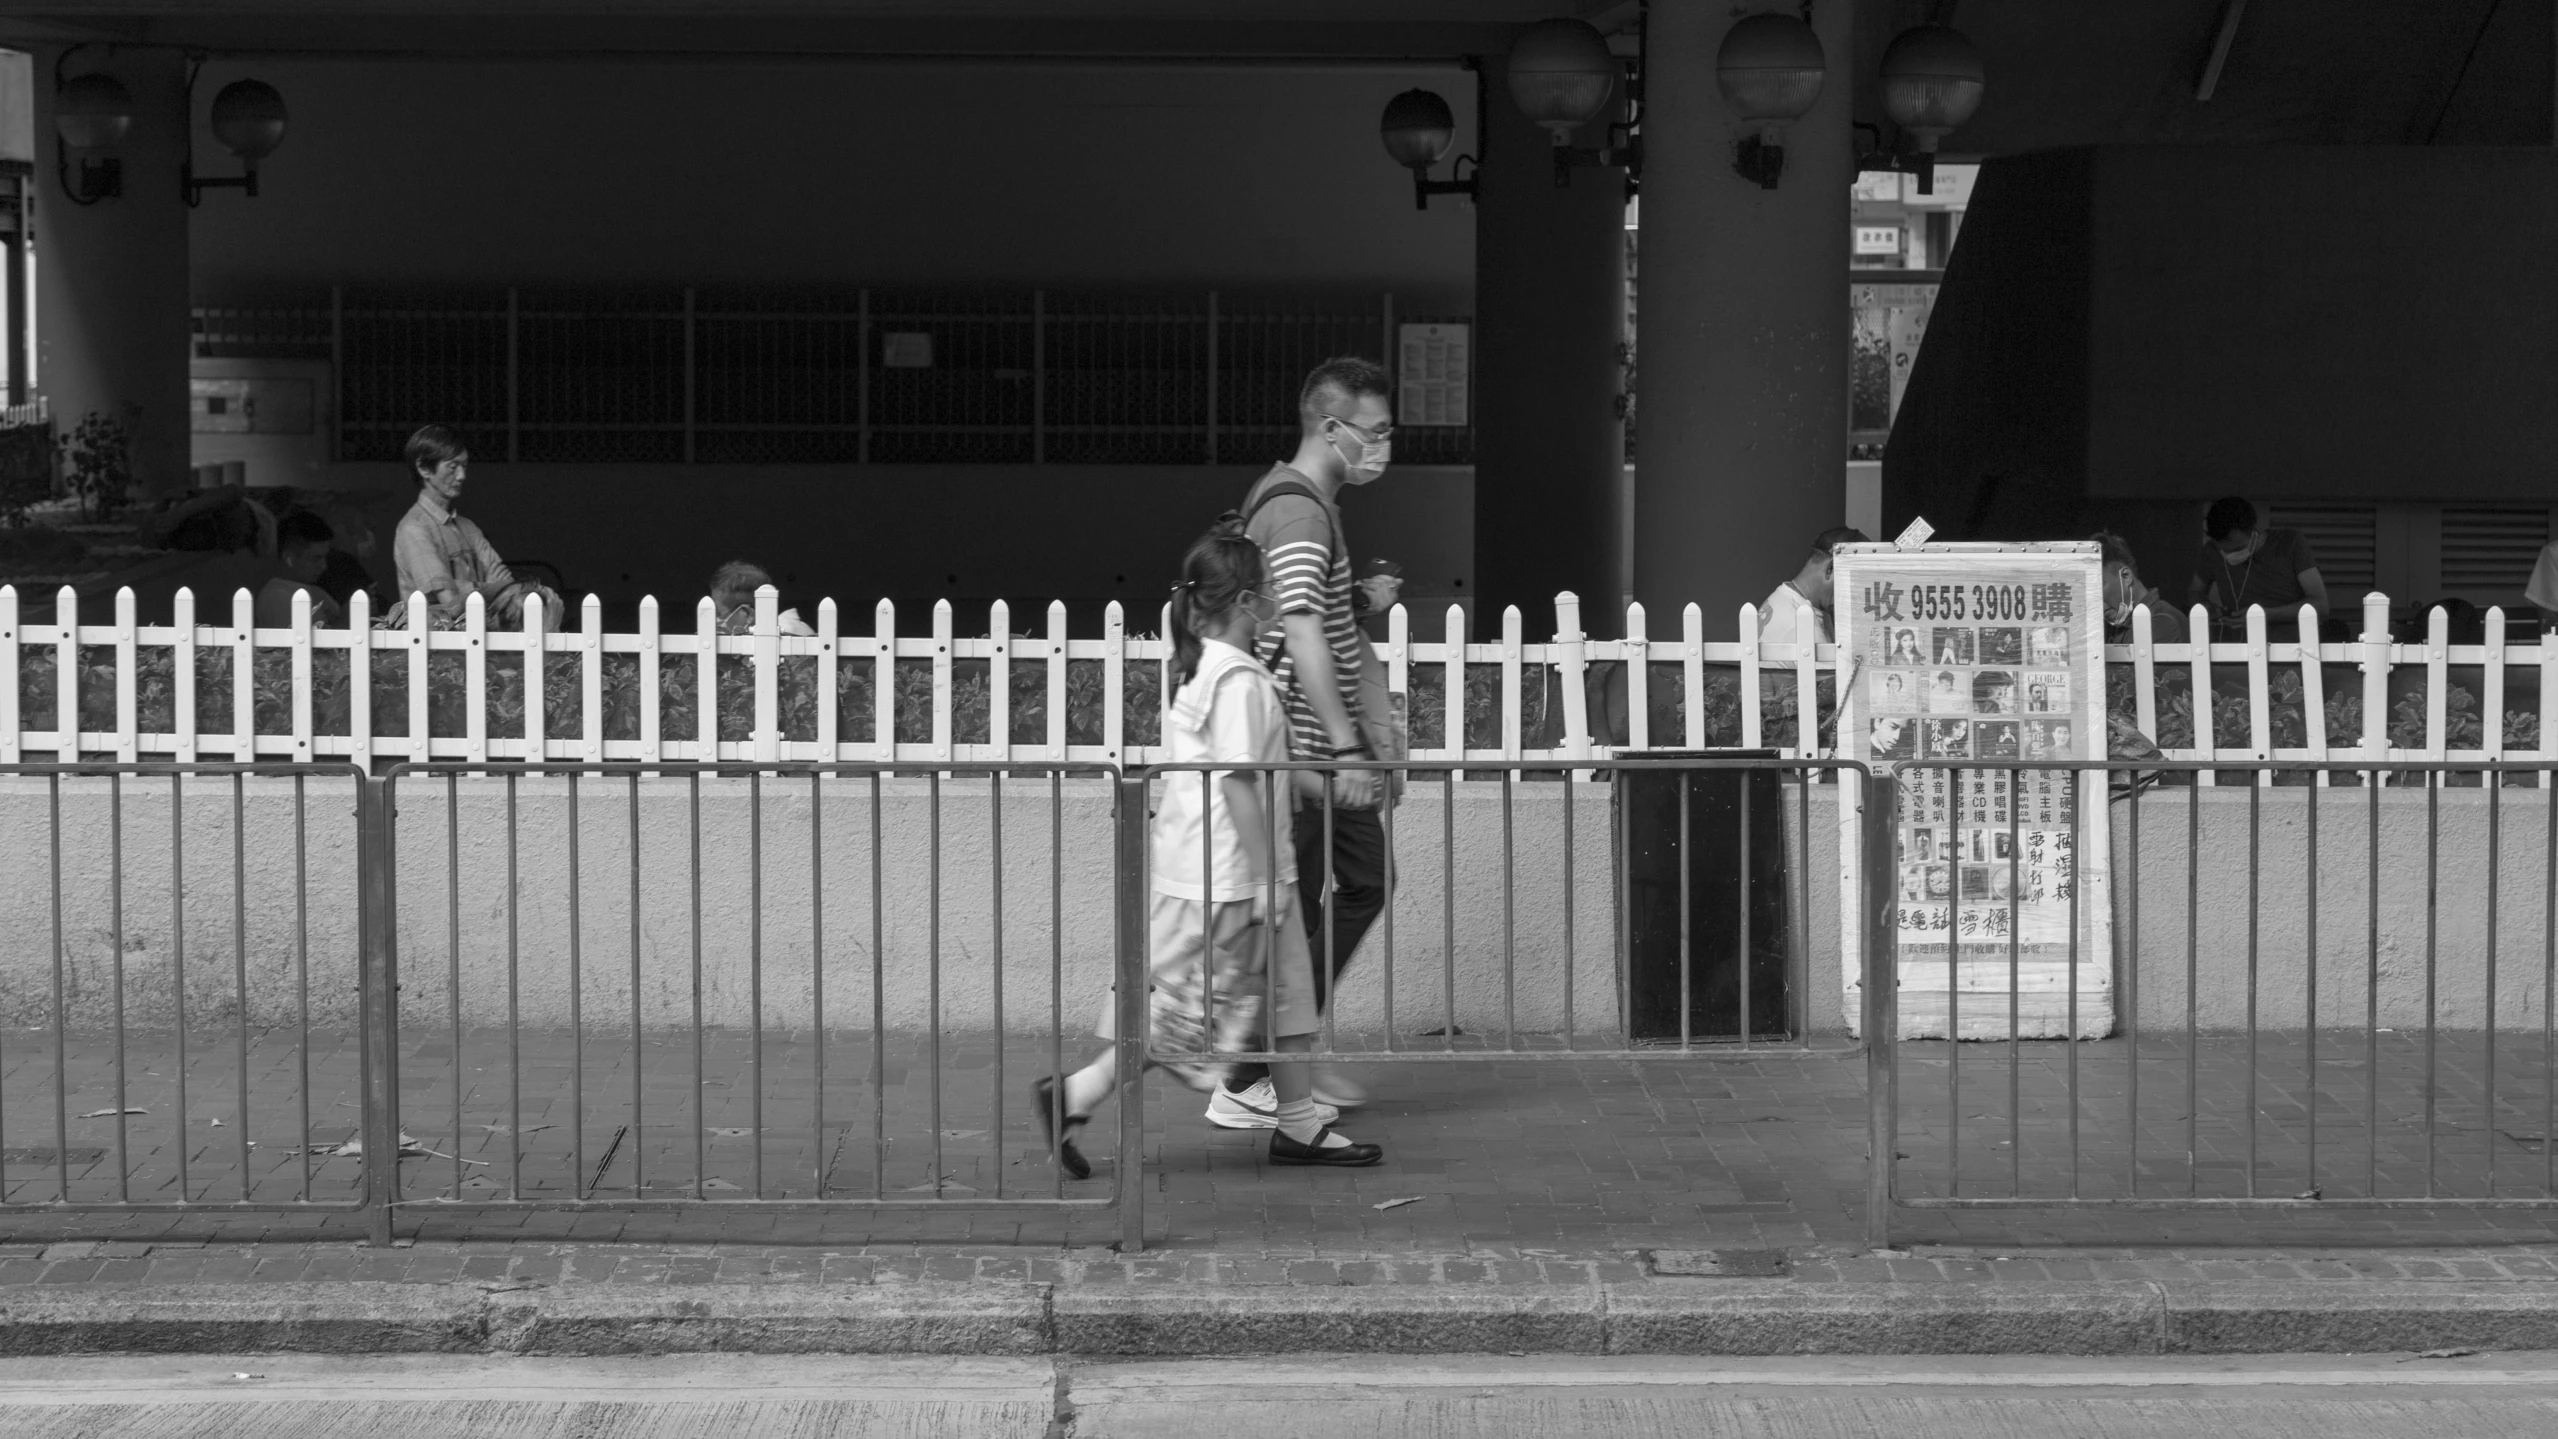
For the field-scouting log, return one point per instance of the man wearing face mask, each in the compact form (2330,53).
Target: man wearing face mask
(2125,593)
(1345,427)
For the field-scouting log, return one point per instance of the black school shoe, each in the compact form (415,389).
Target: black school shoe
(1284,1150)
(1043,1102)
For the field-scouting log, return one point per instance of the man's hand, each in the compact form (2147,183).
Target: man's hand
(1356,788)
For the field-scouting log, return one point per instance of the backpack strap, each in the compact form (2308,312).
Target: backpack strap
(1299,489)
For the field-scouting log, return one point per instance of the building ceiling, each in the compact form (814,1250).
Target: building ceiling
(2335,72)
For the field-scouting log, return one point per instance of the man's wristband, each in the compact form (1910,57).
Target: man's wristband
(1358,749)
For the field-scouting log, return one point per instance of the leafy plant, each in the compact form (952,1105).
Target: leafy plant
(101,465)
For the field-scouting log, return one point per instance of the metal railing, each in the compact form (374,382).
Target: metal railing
(2317,1008)
(194,994)
(1502,931)
(774,986)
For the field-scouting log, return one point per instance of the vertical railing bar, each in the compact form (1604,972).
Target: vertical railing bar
(1448,887)
(995,856)
(755,965)
(576,999)
(2433,885)
(1330,961)
(1744,891)
(1954,985)
(2495,863)
(2371,984)
(2132,999)
(2255,866)
(453,953)
(1571,950)
(1623,834)
(639,1047)
(1385,827)
(61,1022)
(1057,974)
(2193,974)
(817,975)
(2015,988)
(514,986)
(2549,972)
(2076,780)
(302,970)
(878,1000)
(932,984)
(115,920)
(178,965)
(1687,941)
(240,954)
(1509,897)
(2309,1030)
(693,877)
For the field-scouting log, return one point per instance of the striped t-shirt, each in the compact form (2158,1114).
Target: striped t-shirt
(1309,565)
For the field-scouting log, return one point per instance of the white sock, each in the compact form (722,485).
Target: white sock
(1298,1121)
(1087,1087)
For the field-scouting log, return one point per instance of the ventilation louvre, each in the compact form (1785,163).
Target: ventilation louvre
(2488,552)
(2345,539)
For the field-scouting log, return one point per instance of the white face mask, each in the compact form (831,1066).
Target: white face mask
(1374,456)
(2121,614)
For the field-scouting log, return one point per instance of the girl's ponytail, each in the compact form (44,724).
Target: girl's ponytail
(1215,572)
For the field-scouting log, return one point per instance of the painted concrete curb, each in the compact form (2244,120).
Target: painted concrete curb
(1707,1317)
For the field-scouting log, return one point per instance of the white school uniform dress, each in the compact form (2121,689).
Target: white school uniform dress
(1240,918)
(1777,615)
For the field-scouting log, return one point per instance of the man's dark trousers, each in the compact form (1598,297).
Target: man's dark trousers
(1358,886)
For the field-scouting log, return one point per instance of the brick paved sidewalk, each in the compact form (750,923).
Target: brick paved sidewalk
(1502,1157)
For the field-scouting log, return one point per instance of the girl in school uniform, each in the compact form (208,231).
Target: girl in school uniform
(1228,944)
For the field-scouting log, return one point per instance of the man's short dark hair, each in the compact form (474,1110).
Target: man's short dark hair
(1835,536)
(1336,385)
(431,446)
(2229,516)
(302,527)
(2118,551)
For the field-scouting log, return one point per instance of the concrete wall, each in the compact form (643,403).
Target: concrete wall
(529,173)
(2344,956)
(1435,901)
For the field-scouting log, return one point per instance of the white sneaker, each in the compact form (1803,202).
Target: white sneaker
(1255,1107)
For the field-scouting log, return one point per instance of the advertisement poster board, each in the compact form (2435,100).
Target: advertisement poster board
(1982,652)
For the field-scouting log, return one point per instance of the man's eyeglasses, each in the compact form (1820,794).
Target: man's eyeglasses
(1377,436)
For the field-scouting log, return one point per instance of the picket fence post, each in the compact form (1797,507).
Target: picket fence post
(182,674)
(9,726)
(1572,668)
(768,673)
(244,680)
(1749,637)
(1638,680)
(2375,681)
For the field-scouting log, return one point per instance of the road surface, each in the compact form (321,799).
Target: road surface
(1300,1397)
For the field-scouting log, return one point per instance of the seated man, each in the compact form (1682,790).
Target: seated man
(1812,585)
(443,556)
(303,540)
(733,587)
(2125,593)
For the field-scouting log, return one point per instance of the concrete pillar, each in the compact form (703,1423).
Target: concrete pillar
(111,277)
(1741,446)
(1549,312)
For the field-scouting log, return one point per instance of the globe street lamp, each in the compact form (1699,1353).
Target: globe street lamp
(1932,81)
(1561,76)
(1770,68)
(1418,130)
(249,119)
(91,116)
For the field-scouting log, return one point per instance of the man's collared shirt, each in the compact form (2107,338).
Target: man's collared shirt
(445,557)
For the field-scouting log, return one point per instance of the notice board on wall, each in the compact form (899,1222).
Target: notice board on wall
(1433,368)
(1978,653)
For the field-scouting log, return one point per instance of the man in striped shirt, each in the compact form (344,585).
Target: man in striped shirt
(1345,424)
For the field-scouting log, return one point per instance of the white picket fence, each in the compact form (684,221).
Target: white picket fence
(1762,671)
